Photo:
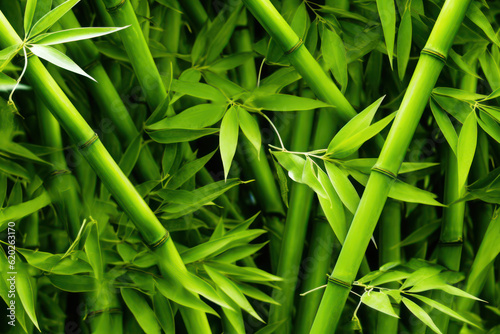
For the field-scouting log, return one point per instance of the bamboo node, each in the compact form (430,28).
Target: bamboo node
(385,171)
(435,54)
(115,8)
(294,48)
(337,281)
(456,242)
(89,142)
(159,242)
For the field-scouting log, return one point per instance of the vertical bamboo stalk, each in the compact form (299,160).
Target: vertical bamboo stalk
(386,169)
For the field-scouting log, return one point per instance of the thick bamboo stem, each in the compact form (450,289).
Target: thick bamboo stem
(386,169)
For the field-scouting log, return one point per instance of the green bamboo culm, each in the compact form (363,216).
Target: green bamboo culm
(301,59)
(146,71)
(108,99)
(385,171)
(390,237)
(103,164)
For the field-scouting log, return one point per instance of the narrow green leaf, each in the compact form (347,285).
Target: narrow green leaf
(458,94)
(444,309)
(29,12)
(16,212)
(466,148)
(421,314)
(141,310)
(57,58)
(352,144)
(404,42)
(378,301)
(283,102)
(343,186)
(188,171)
(73,283)
(250,128)
(475,14)
(229,138)
(220,40)
(387,13)
(93,251)
(231,289)
(333,50)
(7,54)
(164,313)
(333,208)
(172,136)
(72,35)
(51,17)
(445,125)
(355,125)
(294,164)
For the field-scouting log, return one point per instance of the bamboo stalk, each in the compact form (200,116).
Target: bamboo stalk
(299,56)
(296,223)
(145,69)
(386,169)
(451,239)
(390,236)
(108,99)
(103,164)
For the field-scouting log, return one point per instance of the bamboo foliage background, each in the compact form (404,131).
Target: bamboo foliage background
(250,166)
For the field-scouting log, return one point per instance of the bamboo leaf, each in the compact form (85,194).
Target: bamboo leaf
(445,125)
(26,289)
(57,58)
(476,15)
(378,301)
(74,283)
(72,35)
(404,42)
(188,171)
(250,128)
(421,314)
(283,102)
(355,125)
(333,50)
(387,13)
(232,290)
(93,251)
(29,12)
(294,164)
(444,309)
(174,291)
(219,42)
(141,310)
(229,138)
(234,316)
(16,212)
(350,145)
(343,186)
(7,54)
(164,313)
(333,208)
(466,148)
(172,136)
(51,17)
(489,125)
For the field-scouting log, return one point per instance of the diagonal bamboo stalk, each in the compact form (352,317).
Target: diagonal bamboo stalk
(146,71)
(386,169)
(153,233)
(108,99)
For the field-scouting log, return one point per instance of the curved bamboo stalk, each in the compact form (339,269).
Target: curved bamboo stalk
(103,164)
(386,169)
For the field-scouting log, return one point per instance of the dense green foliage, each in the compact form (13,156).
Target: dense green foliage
(254,166)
